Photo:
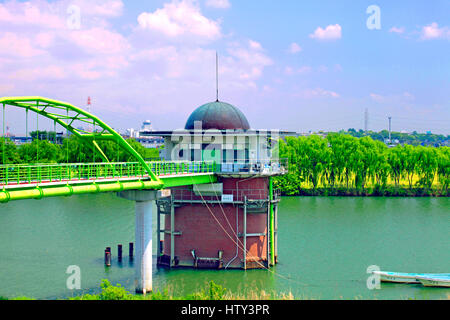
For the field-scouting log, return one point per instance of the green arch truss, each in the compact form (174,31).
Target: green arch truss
(68,115)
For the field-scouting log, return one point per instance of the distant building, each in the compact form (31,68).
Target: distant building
(131,133)
(18,141)
(145,141)
(151,142)
(147,126)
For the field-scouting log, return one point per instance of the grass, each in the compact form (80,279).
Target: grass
(212,291)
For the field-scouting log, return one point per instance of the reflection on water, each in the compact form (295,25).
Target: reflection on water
(325,246)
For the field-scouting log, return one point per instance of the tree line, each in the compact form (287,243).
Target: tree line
(342,161)
(70,150)
(414,138)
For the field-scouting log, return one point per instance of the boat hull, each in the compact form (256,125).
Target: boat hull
(435,281)
(399,277)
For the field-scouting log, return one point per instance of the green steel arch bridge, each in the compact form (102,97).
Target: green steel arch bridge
(37,181)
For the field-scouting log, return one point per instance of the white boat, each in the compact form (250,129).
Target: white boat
(435,281)
(402,277)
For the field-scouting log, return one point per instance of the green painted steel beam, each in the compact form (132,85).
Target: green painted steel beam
(69,190)
(188,180)
(65,190)
(272,224)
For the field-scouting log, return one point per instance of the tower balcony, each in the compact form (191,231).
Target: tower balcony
(241,168)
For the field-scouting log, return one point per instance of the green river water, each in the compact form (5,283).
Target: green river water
(325,245)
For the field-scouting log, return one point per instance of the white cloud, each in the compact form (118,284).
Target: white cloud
(54,15)
(317,93)
(376,97)
(105,8)
(218,4)
(393,98)
(254,45)
(39,33)
(50,72)
(247,63)
(16,46)
(123,69)
(31,13)
(99,41)
(432,31)
(302,70)
(397,30)
(295,48)
(180,18)
(44,39)
(331,32)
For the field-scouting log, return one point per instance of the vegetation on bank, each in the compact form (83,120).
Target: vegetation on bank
(341,164)
(212,291)
(71,150)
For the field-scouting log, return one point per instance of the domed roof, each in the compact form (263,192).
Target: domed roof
(218,115)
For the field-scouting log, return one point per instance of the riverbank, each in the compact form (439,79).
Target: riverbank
(367,192)
(212,291)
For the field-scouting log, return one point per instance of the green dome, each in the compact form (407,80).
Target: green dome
(218,115)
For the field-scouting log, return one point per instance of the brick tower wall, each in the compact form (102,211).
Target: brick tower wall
(212,227)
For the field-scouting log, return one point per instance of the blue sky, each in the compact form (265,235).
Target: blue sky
(293,65)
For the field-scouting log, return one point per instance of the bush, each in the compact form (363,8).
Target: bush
(109,292)
(213,292)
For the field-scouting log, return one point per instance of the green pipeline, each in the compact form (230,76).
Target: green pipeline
(69,190)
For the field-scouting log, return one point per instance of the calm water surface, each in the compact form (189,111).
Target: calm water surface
(325,246)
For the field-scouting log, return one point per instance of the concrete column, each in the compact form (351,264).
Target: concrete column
(143,236)
(143,239)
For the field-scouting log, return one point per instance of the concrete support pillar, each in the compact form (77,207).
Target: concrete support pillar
(143,236)
(143,239)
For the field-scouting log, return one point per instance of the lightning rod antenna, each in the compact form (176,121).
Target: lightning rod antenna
(217,77)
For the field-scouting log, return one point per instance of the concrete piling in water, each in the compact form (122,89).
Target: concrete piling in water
(131,250)
(119,252)
(161,246)
(107,257)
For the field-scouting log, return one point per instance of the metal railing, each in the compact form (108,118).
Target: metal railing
(279,166)
(184,194)
(17,174)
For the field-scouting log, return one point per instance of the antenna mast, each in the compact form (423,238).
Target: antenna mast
(217,77)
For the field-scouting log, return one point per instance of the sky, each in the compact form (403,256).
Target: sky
(290,65)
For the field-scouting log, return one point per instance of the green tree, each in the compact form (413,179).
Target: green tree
(8,152)
(40,152)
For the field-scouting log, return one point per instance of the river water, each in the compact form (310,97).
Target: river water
(325,246)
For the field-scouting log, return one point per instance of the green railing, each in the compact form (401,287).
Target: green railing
(51,173)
